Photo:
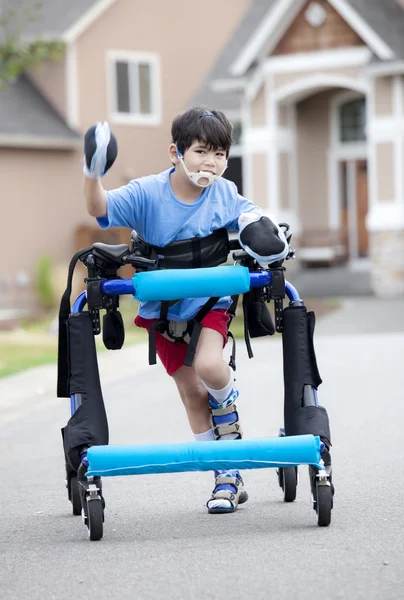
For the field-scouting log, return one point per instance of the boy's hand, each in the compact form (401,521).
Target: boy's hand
(100,150)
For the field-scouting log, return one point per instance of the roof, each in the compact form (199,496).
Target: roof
(384,17)
(27,119)
(230,100)
(54,17)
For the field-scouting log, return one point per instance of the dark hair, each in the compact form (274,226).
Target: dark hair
(210,127)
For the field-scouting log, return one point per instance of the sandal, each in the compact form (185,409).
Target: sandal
(228,493)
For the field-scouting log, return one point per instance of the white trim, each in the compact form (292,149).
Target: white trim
(305,86)
(343,151)
(268,26)
(385,216)
(91,15)
(272,119)
(236,151)
(228,85)
(391,68)
(323,59)
(271,25)
(363,29)
(385,129)
(155,93)
(72,87)
(246,163)
(47,143)
(372,156)
(261,139)
(255,83)
(281,28)
(294,170)
(234,115)
(320,253)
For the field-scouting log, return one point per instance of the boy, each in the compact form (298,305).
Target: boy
(190,200)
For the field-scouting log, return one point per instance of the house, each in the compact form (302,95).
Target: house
(317,88)
(135,64)
(314,89)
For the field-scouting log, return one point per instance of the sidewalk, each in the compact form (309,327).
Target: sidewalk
(38,385)
(363,315)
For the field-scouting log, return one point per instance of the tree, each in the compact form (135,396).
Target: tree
(17,54)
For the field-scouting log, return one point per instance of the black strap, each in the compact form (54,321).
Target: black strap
(64,312)
(196,253)
(232,362)
(195,328)
(161,325)
(209,251)
(246,298)
(231,311)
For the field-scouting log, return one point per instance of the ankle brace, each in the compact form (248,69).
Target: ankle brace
(225,418)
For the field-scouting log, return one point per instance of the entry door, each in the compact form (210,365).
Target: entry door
(362,206)
(354,208)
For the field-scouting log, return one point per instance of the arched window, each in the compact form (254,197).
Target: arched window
(352,121)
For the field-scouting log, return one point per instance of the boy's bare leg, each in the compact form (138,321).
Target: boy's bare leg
(208,389)
(195,399)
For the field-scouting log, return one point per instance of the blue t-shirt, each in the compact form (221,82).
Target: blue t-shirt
(148,205)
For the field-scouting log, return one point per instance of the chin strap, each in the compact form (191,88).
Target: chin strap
(195,177)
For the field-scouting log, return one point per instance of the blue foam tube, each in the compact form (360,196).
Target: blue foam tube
(204,456)
(173,284)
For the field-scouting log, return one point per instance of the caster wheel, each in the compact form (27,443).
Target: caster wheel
(323,504)
(74,495)
(95,519)
(288,482)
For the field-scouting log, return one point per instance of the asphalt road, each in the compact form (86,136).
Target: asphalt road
(159,541)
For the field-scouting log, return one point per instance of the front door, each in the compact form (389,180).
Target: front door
(354,208)
(362,206)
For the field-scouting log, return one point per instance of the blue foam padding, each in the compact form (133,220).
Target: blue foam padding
(204,456)
(173,284)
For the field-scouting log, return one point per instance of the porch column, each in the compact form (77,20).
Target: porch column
(270,154)
(385,219)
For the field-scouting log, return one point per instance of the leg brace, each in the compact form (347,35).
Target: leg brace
(225,418)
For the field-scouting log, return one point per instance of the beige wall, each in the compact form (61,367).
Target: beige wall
(166,29)
(281,79)
(259,177)
(44,204)
(43,189)
(258,112)
(313,137)
(383,96)
(385,172)
(284,162)
(50,77)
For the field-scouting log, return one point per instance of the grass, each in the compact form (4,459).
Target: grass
(33,344)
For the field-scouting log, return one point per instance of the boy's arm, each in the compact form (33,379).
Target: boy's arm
(96,197)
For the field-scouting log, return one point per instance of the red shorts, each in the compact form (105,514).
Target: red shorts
(172,354)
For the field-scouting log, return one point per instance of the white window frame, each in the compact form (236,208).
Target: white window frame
(153,60)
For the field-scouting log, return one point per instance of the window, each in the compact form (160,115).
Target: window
(352,121)
(135,88)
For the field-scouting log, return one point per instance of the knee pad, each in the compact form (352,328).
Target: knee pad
(225,418)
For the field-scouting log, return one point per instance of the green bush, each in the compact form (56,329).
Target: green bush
(43,282)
